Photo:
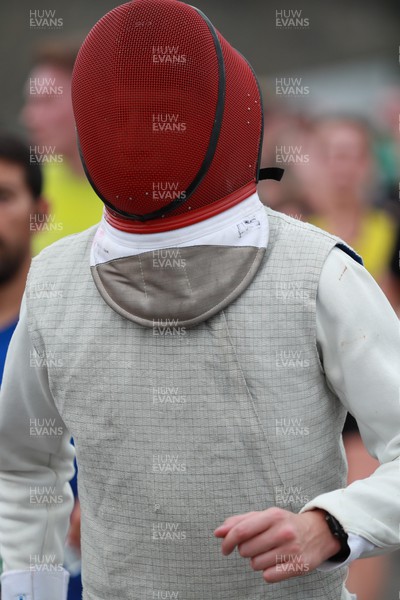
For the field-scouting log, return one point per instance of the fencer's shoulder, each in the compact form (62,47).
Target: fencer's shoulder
(67,246)
(61,261)
(285,223)
(299,235)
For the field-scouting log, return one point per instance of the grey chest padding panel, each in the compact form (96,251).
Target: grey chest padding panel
(181,285)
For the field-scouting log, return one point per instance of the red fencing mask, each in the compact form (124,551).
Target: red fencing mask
(168,116)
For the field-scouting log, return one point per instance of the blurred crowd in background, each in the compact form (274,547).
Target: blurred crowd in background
(341,174)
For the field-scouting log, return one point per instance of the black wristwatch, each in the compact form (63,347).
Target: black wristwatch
(338,531)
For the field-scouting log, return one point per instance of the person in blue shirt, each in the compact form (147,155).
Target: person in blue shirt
(5,337)
(22,212)
(21,205)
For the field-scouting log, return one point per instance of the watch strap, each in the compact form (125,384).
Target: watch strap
(338,531)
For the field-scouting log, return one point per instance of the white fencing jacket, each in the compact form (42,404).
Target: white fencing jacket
(358,340)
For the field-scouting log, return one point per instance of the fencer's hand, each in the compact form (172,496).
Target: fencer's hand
(278,542)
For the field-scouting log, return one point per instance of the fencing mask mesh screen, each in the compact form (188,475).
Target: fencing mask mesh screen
(168,116)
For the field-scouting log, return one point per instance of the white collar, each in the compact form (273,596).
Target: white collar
(245,224)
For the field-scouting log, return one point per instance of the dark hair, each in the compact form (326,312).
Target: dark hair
(60,53)
(15,151)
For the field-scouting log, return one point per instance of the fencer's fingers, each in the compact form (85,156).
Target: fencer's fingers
(223,529)
(292,566)
(249,527)
(270,558)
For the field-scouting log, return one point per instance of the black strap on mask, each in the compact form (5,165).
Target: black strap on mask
(271,173)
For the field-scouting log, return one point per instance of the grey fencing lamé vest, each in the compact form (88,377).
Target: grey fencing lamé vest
(176,431)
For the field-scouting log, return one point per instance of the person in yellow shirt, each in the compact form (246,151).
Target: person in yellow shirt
(341,153)
(339,186)
(47,114)
(374,240)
